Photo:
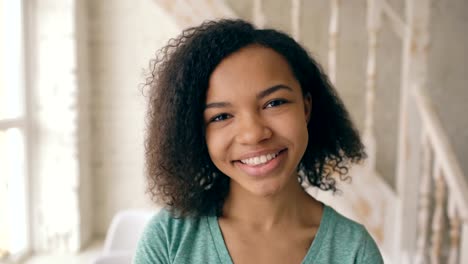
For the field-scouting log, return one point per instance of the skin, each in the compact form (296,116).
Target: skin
(255,106)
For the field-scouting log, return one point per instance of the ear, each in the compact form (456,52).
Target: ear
(307,106)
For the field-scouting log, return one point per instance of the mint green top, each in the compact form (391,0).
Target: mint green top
(170,240)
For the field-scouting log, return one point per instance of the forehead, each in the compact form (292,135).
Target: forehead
(254,67)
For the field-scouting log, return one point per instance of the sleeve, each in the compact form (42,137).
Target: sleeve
(370,253)
(153,246)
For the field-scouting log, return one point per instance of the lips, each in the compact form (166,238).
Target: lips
(261,164)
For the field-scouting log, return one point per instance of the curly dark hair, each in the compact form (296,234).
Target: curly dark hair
(180,172)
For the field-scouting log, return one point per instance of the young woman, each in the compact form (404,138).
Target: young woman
(240,121)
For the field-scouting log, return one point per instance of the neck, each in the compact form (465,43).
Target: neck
(267,212)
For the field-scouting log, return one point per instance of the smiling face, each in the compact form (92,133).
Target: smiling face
(256,121)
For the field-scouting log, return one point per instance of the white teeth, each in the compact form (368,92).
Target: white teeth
(260,159)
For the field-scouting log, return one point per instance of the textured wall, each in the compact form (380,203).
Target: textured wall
(123,37)
(54,127)
(387,103)
(448,72)
(84,138)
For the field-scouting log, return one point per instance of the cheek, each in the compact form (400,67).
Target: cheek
(293,128)
(214,142)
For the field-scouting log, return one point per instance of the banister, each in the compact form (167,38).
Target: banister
(452,172)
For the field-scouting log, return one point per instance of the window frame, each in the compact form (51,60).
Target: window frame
(23,121)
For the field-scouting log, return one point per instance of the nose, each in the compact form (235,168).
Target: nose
(252,129)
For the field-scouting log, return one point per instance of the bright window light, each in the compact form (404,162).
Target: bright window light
(11,97)
(13,219)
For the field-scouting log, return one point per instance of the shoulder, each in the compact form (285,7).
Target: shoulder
(349,238)
(344,227)
(164,237)
(152,246)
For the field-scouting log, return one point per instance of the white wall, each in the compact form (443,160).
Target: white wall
(58,165)
(448,72)
(123,37)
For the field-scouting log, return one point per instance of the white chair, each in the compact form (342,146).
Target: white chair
(123,235)
(114,259)
(125,230)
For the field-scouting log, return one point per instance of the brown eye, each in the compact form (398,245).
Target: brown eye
(275,103)
(220,117)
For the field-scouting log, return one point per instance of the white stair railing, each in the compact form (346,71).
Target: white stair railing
(443,193)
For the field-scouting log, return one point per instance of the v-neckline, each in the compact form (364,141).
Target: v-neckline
(311,254)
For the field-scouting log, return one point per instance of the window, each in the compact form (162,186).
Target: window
(13,202)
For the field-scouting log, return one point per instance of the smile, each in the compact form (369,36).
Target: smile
(262,165)
(262,159)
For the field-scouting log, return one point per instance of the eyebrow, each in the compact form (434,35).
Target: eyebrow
(260,95)
(272,89)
